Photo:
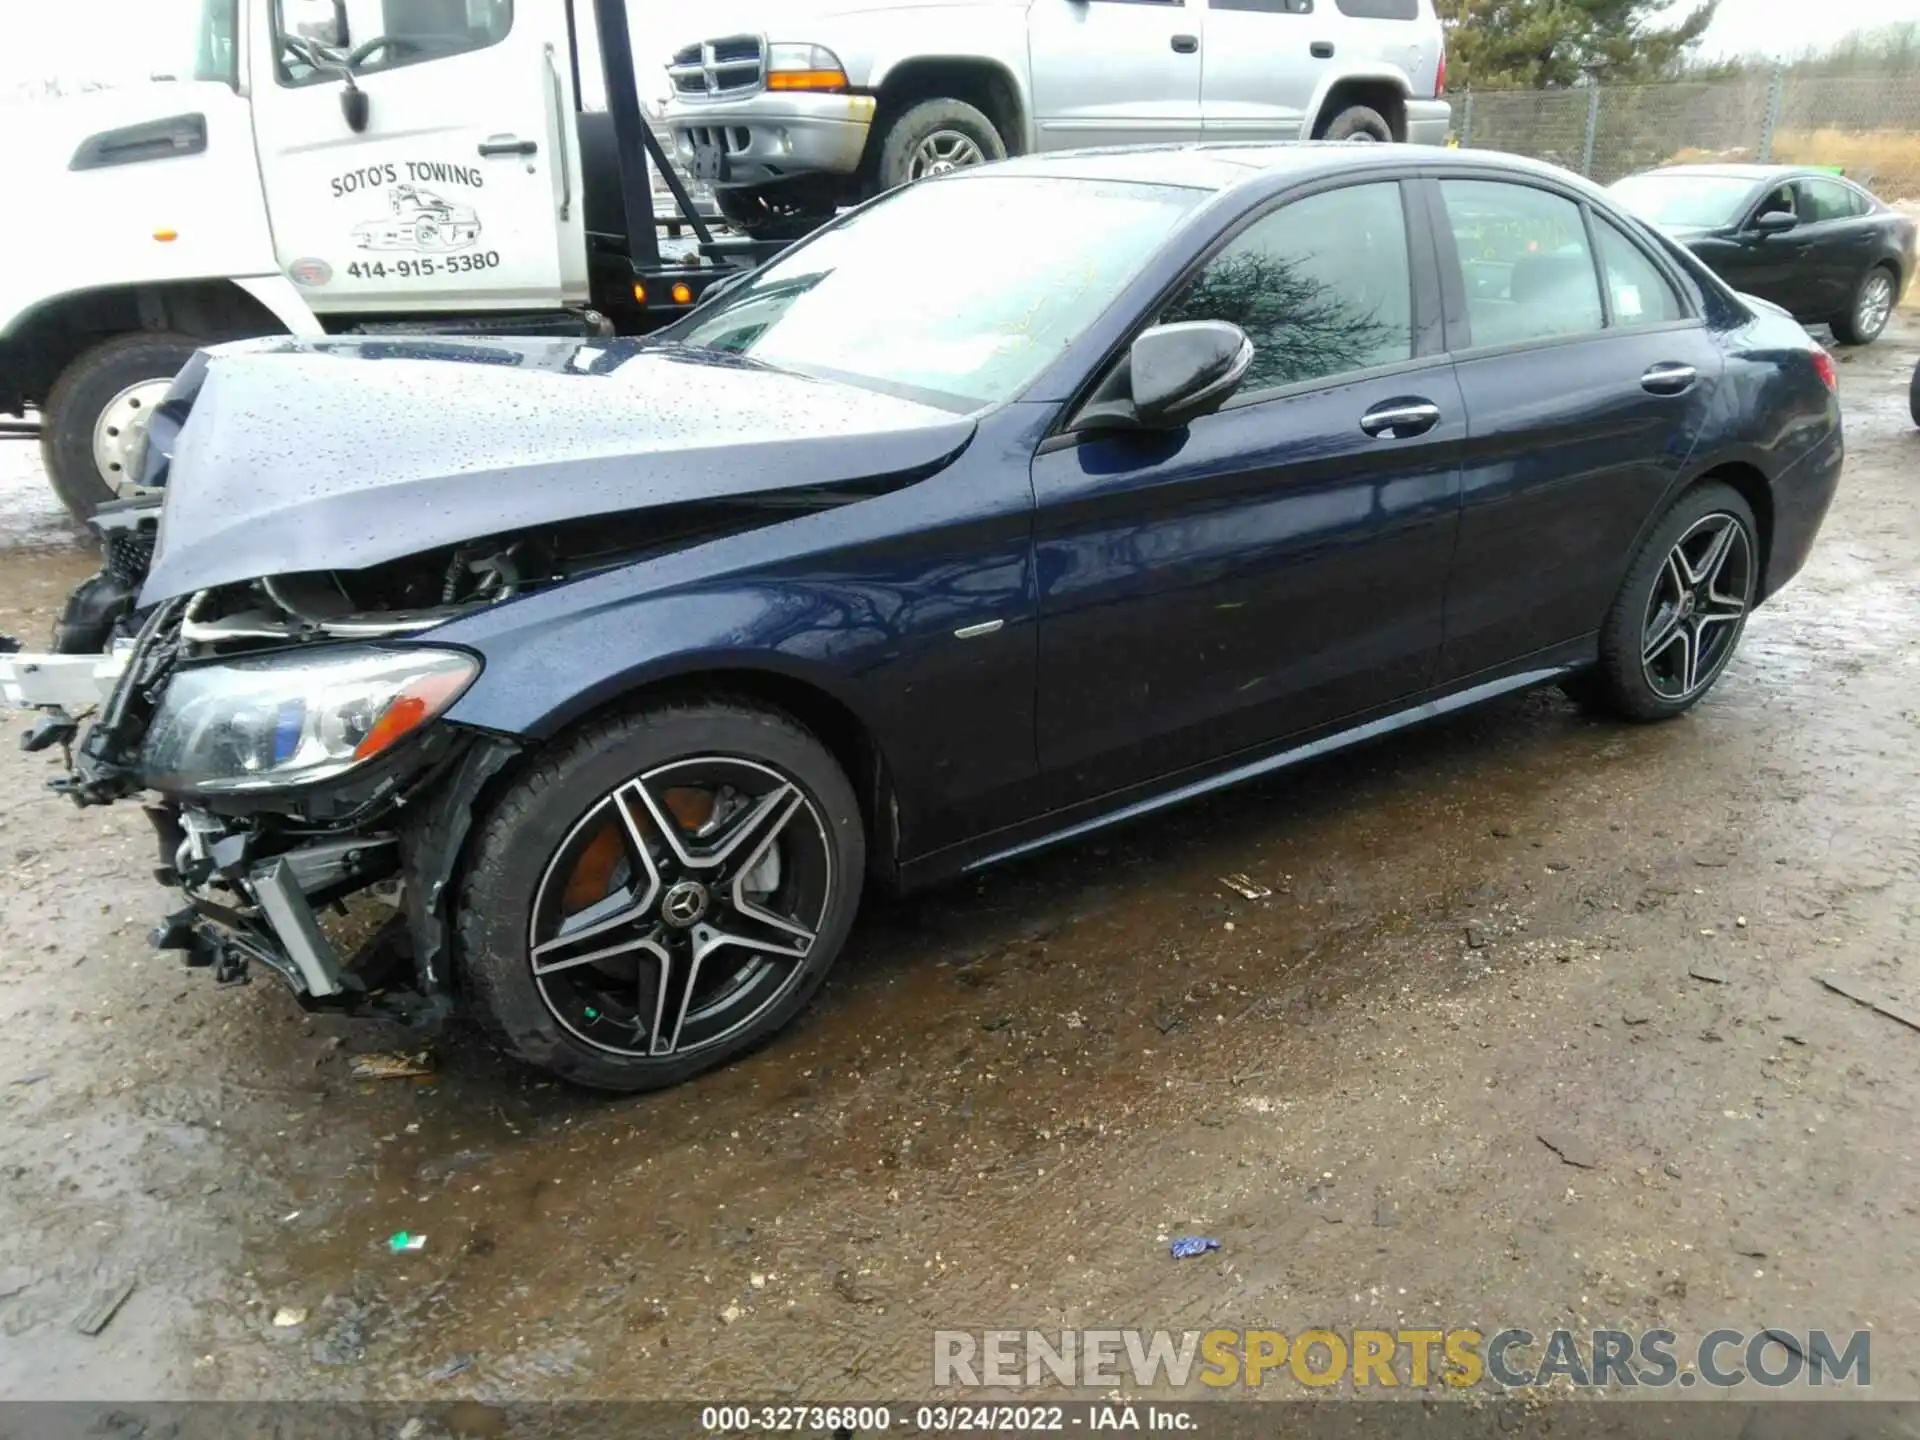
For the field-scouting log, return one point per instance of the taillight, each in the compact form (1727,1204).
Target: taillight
(1823,362)
(1440,75)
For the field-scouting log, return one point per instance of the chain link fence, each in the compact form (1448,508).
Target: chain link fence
(1867,126)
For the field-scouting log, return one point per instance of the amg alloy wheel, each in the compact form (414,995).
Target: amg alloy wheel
(660,892)
(682,907)
(1680,612)
(1697,607)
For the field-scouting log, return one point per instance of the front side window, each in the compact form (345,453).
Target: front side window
(933,293)
(1524,262)
(318,37)
(1637,292)
(1321,286)
(1825,200)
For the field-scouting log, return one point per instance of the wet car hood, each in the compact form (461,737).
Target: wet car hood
(339,454)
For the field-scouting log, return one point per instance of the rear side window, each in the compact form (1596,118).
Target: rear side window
(1524,262)
(1636,290)
(1827,200)
(1380,9)
(1321,286)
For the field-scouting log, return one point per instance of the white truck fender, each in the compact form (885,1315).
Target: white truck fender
(286,304)
(994,34)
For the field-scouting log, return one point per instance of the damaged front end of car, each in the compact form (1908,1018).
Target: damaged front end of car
(289,756)
(257,660)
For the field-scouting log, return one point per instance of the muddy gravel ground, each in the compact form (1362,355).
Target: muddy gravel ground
(1516,927)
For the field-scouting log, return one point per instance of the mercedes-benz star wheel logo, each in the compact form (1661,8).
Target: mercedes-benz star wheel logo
(686,902)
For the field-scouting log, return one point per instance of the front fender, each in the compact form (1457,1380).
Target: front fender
(913,611)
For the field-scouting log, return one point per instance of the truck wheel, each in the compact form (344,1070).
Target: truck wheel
(660,892)
(773,212)
(934,137)
(1358,122)
(95,420)
(1868,311)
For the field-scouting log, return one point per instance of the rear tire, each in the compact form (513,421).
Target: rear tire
(1681,610)
(1358,122)
(1913,396)
(1869,308)
(934,137)
(671,1002)
(80,399)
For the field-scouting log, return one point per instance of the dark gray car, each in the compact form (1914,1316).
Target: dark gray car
(1810,241)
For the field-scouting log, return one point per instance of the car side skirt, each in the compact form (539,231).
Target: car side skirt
(1540,668)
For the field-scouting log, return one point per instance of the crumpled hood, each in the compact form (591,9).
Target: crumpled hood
(339,454)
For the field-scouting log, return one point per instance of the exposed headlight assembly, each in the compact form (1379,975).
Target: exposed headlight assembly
(273,721)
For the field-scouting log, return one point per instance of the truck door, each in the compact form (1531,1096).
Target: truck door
(460,192)
(1115,72)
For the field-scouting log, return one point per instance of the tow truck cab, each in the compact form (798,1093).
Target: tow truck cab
(329,166)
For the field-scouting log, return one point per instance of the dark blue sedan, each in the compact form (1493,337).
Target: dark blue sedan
(1014,504)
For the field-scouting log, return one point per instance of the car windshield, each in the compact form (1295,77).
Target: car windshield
(1685,202)
(956,291)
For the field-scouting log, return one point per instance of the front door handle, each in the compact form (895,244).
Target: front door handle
(1668,378)
(1400,419)
(507,145)
(1185,44)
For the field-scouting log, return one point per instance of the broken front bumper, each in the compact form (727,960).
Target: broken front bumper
(256,874)
(30,681)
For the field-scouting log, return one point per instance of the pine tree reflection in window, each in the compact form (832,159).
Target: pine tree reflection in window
(1321,286)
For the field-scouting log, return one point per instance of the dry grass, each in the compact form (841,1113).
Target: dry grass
(1887,162)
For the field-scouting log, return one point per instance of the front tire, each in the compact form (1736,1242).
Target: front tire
(1680,611)
(933,138)
(1870,308)
(95,415)
(661,892)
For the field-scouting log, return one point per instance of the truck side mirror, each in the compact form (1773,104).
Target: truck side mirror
(354,105)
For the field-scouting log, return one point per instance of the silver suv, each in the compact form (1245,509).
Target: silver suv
(793,108)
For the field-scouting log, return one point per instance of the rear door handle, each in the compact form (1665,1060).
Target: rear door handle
(1400,419)
(1321,49)
(507,145)
(1185,44)
(1668,378)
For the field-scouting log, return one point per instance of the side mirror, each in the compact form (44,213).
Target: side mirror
(1774,222)
(355,107)
(1179,372)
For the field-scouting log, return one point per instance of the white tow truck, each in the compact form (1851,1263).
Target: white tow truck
(330,166)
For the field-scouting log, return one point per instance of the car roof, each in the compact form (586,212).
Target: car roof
(1754,173)
(1225,165)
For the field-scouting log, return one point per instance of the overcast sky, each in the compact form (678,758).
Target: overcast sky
(128,39)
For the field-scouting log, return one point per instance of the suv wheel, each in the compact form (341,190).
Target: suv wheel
(1358,122)
(934,137)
